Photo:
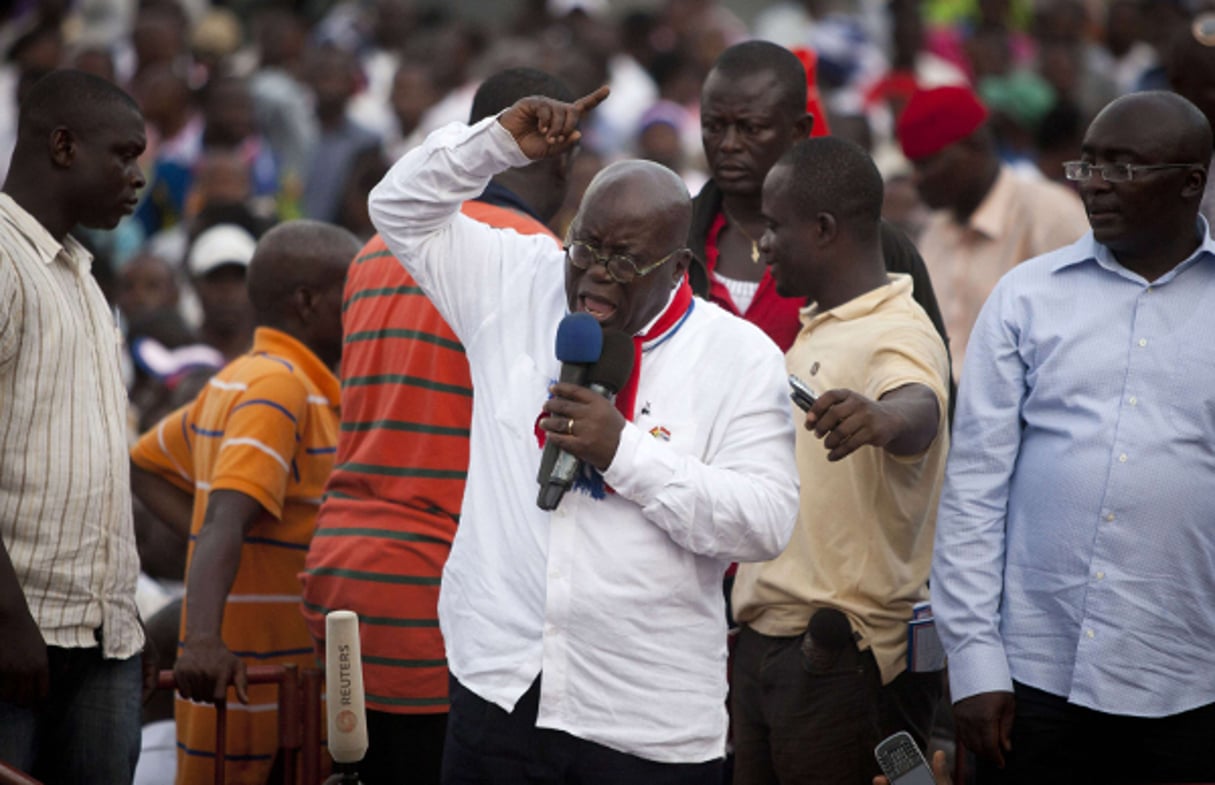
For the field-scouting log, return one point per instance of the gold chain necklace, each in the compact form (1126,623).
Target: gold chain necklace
(738,225)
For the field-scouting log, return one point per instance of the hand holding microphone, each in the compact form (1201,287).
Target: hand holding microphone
(582,423)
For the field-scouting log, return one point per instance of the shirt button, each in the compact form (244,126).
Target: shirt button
(1109,516)
(1143,342)
(1134,401)
(1100,575)
(1122,458)
(1089,633)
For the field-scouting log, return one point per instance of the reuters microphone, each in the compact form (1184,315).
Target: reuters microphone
(344,694)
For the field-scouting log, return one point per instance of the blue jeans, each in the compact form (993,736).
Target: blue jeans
(87,730)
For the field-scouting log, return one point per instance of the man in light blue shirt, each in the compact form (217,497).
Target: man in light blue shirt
(1074,571)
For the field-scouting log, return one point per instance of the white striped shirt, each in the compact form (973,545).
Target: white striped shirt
(65,495)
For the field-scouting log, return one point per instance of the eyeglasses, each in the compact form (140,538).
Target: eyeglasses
(622,268)
(1081,171)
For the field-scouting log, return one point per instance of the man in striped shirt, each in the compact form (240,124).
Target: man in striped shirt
(69,633)
(391,506)
(248,460)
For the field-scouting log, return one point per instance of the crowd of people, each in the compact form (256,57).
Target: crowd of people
(282,285)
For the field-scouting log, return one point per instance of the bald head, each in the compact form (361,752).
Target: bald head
(295,282)
(642,191)
(639,210)
(1157,125)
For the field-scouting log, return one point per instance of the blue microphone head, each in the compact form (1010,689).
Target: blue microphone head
(579,339)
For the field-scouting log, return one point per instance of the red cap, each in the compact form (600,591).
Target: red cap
(936,118)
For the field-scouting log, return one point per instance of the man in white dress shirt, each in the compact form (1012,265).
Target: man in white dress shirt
(588,643)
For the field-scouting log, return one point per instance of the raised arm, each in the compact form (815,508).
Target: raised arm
(543,127)
(460,263)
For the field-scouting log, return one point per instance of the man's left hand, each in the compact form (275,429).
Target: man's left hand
(846,420)
(583,423)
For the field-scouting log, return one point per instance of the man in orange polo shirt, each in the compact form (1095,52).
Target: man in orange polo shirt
(393,501)
(245,464)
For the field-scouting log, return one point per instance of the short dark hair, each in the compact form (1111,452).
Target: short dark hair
(836,176)
(505,87)
(751,57)
(71,98)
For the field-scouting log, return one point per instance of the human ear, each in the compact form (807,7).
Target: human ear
(305,303)
(803,126)
(826,228)
(1195,182)
(63,147)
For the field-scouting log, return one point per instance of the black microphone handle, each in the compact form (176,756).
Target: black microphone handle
(565,468)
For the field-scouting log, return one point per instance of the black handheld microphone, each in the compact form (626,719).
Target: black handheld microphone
(605,377)
(579,345)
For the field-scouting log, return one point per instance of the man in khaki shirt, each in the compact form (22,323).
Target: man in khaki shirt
(820,666)
(987,217)
(70,638)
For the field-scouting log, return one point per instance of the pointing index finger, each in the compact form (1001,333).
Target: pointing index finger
(591,100)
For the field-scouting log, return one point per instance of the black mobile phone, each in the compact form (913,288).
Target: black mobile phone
(802,395)
(902,762)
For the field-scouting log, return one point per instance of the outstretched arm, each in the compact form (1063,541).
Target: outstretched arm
(903,422)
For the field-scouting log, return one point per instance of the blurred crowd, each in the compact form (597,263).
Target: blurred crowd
(259,112)
(263,111)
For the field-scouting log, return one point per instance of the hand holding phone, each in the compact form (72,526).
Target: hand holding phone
(802,395)
(902,762)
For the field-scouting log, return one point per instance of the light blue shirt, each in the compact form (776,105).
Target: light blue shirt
(1075,546)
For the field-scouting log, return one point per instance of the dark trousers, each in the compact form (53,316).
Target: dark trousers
(487,745)
(403,749)
(802,722)
(87,729)
(1054,741)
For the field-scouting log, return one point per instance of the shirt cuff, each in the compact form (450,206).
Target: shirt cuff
(979,668)
(505,149)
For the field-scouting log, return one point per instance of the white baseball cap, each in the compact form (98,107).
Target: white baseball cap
(221,244)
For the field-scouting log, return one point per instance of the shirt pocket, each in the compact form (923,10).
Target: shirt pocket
(518,407)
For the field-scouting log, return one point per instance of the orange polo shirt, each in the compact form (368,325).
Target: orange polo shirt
(266,426)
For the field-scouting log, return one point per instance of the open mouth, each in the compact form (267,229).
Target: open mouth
(598,307)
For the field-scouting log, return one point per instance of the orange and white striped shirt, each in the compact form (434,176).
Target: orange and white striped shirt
(265,426)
